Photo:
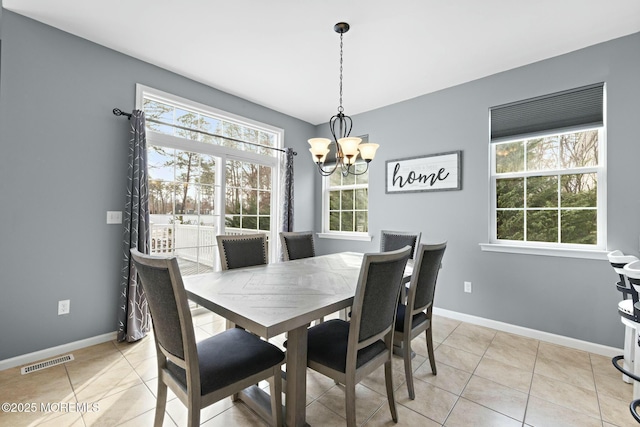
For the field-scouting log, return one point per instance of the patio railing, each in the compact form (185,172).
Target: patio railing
(196,243)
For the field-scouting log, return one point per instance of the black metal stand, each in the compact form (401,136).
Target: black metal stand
(633,406)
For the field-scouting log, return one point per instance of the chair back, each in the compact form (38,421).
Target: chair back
(632,271)
(376,298)
(297,244)
(422,287)
(394,240)
(618,261)
(172,325)
(244,250)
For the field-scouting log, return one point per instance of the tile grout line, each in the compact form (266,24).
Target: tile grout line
(533,372)
(595,384)
(473,373)
(458,396)
(75,396)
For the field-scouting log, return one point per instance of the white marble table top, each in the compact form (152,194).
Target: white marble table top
(278,297)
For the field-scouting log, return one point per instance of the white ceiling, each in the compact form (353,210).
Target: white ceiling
(284,54)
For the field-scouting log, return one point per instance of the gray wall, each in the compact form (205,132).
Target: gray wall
(63,165)
(571,297)
(64,158)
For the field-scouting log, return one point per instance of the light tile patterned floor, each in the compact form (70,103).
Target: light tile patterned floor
(485,378)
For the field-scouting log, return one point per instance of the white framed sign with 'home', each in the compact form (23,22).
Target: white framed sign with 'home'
(435,172)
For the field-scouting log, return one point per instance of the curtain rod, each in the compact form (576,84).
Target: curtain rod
(119,112)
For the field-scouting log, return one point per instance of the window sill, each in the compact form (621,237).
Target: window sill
(557,252)
(346,236)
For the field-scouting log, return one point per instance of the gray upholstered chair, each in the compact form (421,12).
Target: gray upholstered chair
(297,244)
(243,250)
(202,373)
(349,351)
(392,240)
(414,317)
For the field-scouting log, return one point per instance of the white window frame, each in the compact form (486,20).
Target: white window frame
(225,153)
(597,251)
(330,234)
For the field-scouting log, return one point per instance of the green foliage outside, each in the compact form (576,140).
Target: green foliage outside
(348,207)
(554,204)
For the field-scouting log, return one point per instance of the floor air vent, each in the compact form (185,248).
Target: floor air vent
(46,364)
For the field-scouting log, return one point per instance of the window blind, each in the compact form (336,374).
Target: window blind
(566,110)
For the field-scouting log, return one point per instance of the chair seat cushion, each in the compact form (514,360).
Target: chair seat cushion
(229,357)
(626,306)
(626,310)
(417,318)
(327,345)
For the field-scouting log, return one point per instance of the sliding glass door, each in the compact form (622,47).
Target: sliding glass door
(209,174)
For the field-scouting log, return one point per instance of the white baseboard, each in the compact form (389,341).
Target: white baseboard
(55,351)
(475,320)
(590,347)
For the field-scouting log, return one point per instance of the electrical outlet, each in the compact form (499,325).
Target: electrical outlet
(64,306)
(467,287)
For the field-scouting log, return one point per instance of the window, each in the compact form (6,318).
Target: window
(547,187)
(210,173)
(346,203)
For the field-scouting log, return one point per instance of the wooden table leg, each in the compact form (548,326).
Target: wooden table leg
(296,377)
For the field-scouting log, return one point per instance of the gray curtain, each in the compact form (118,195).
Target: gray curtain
(133,316)
(287,192)
(287,211)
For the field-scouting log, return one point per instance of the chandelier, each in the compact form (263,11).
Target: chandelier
(348,149)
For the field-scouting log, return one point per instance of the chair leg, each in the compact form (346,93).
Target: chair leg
(432,358)
(161,403)
(275,388)
(350,397)
(629,350)
(193,417)
(408,370)
(388,379)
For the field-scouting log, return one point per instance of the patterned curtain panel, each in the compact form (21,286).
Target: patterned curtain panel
(133,316)
(287,192)
(287,211)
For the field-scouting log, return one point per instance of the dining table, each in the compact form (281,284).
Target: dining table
(277,298)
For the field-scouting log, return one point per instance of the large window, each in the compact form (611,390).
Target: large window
(346,202)
(548,187)
(210,173)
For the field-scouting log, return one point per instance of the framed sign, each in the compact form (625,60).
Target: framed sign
(435,172)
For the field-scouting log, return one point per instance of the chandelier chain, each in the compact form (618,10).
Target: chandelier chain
(340,108)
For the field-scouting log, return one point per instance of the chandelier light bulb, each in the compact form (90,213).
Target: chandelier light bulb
(319,156)
(349,146)
(368,151)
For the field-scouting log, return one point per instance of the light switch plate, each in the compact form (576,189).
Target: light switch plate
(114,217)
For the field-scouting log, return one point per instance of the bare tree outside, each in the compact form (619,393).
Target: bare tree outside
(553,201)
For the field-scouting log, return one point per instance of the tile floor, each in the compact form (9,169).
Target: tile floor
(485,378)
